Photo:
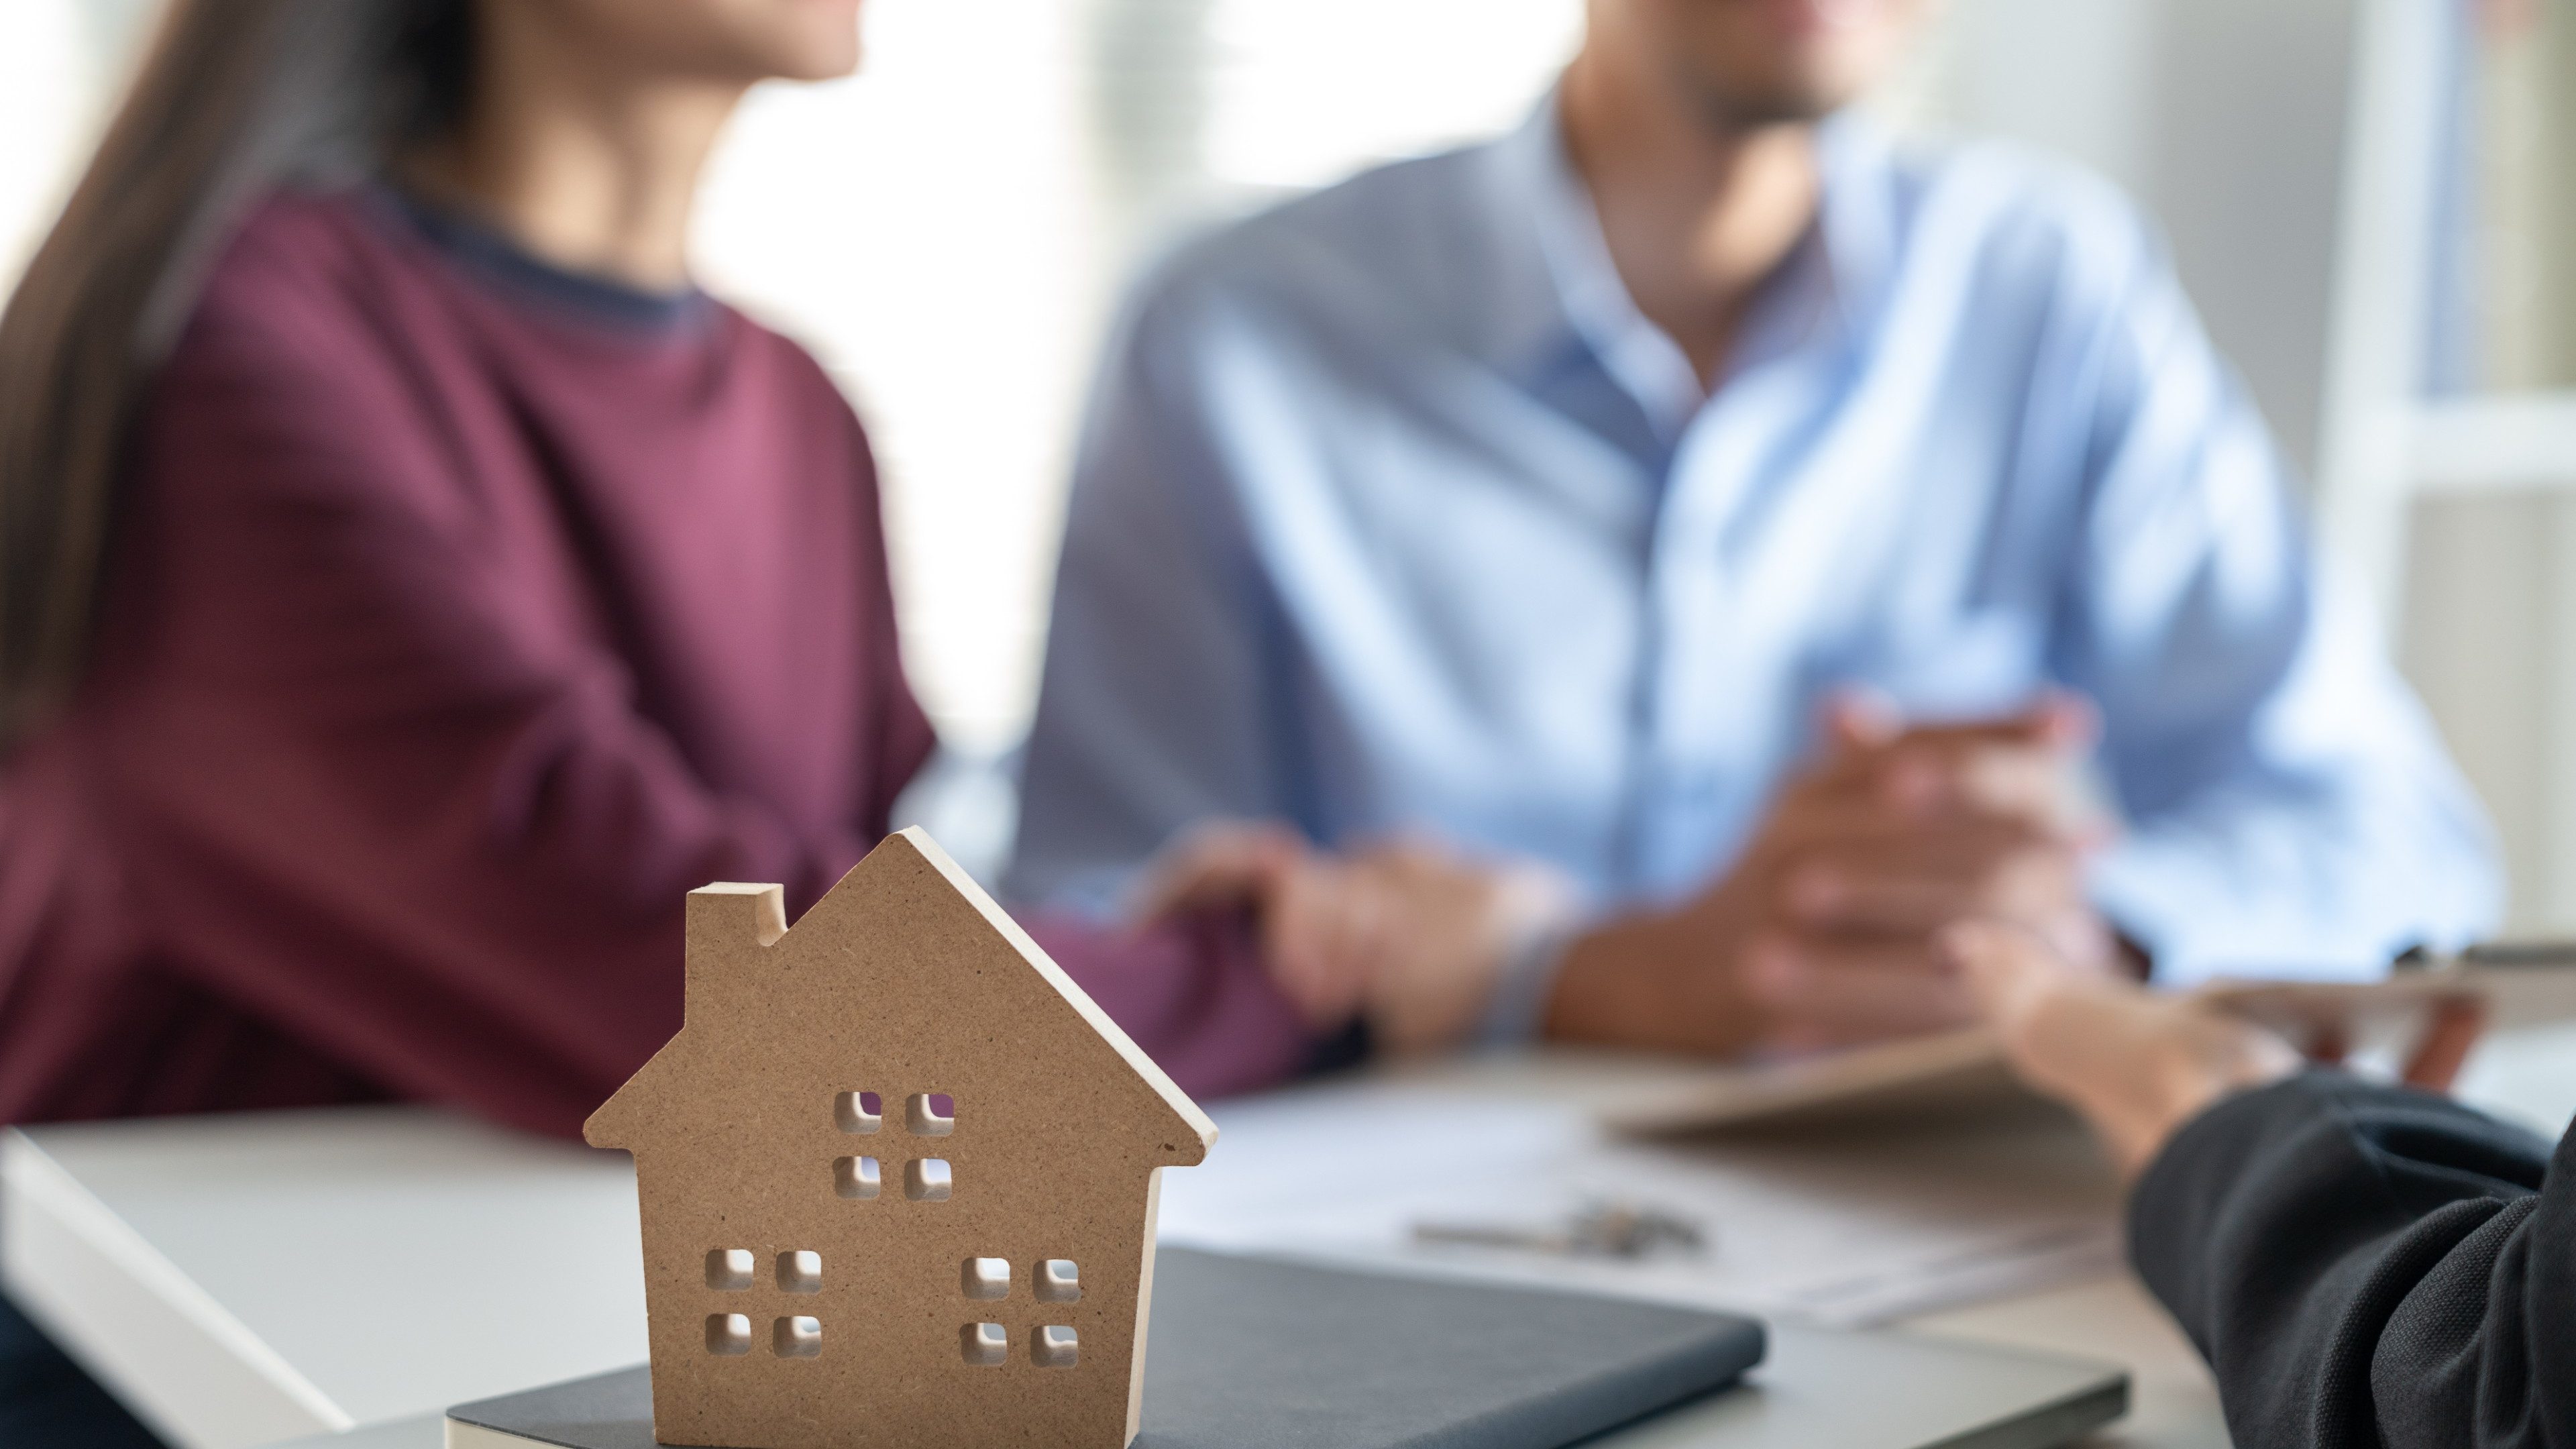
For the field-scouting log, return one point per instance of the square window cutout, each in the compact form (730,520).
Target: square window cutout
(728,1334)
(1054,1346)
(930,1114)
(925,1179)
(986,1277)
(800,1272)
(854,1176)
(729,1269)
(984,1344)
(798,1337)
(857,1112)
(1059,1281)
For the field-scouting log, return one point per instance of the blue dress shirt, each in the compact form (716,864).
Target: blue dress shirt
(1394,512)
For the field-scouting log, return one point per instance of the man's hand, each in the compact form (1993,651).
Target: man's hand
(2134,1064)
(1823,933)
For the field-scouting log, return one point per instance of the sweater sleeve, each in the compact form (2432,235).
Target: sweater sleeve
(1193,994)
(2369,1266)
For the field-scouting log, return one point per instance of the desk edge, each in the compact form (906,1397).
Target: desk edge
(43,1205)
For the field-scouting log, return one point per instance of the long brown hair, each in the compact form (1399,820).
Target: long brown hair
(234,99)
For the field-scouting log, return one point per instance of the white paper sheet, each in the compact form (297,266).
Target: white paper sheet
(1840,1232)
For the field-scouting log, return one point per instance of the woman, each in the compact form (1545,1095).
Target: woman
(2363,1265)
(411,586)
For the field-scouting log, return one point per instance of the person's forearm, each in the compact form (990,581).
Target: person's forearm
(1616,985)
(2366,1265)
(1192,993)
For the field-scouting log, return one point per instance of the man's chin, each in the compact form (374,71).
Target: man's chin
(1745,97)
(1733,109)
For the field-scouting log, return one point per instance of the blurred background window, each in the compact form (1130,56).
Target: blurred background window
(952,229)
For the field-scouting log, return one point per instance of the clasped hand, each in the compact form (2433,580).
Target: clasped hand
(1824,932)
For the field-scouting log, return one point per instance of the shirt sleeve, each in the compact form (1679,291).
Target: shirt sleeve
(1159,704)
(2290,807)
(2370,1267)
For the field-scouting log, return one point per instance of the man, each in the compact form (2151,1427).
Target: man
(1543,496)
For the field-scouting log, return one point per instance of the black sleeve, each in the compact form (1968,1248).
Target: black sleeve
(2369,1266)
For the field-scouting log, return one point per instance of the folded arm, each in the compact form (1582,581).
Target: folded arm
(1161,704)
(2290,804)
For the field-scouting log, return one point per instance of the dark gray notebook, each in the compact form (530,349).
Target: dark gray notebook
(1247,1353)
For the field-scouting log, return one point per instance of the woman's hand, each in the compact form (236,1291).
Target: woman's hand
(2135,1064)
(1405,932)
(1451,925)
(1317,933)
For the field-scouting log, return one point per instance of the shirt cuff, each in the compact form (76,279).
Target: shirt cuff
(2201,918)
(1517,1010)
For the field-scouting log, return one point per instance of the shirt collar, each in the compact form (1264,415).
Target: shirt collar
(1575,297)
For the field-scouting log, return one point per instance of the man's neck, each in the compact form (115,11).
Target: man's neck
(585,167)
(1696,214)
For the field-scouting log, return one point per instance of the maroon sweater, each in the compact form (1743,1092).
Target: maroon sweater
(457,628)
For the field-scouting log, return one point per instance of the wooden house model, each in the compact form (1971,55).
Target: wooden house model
(897,1175)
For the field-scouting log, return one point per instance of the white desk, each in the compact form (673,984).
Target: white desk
(229,1277)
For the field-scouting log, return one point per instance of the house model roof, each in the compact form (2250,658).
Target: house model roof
(906,955)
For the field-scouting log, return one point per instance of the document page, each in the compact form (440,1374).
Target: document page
(1843,1230)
